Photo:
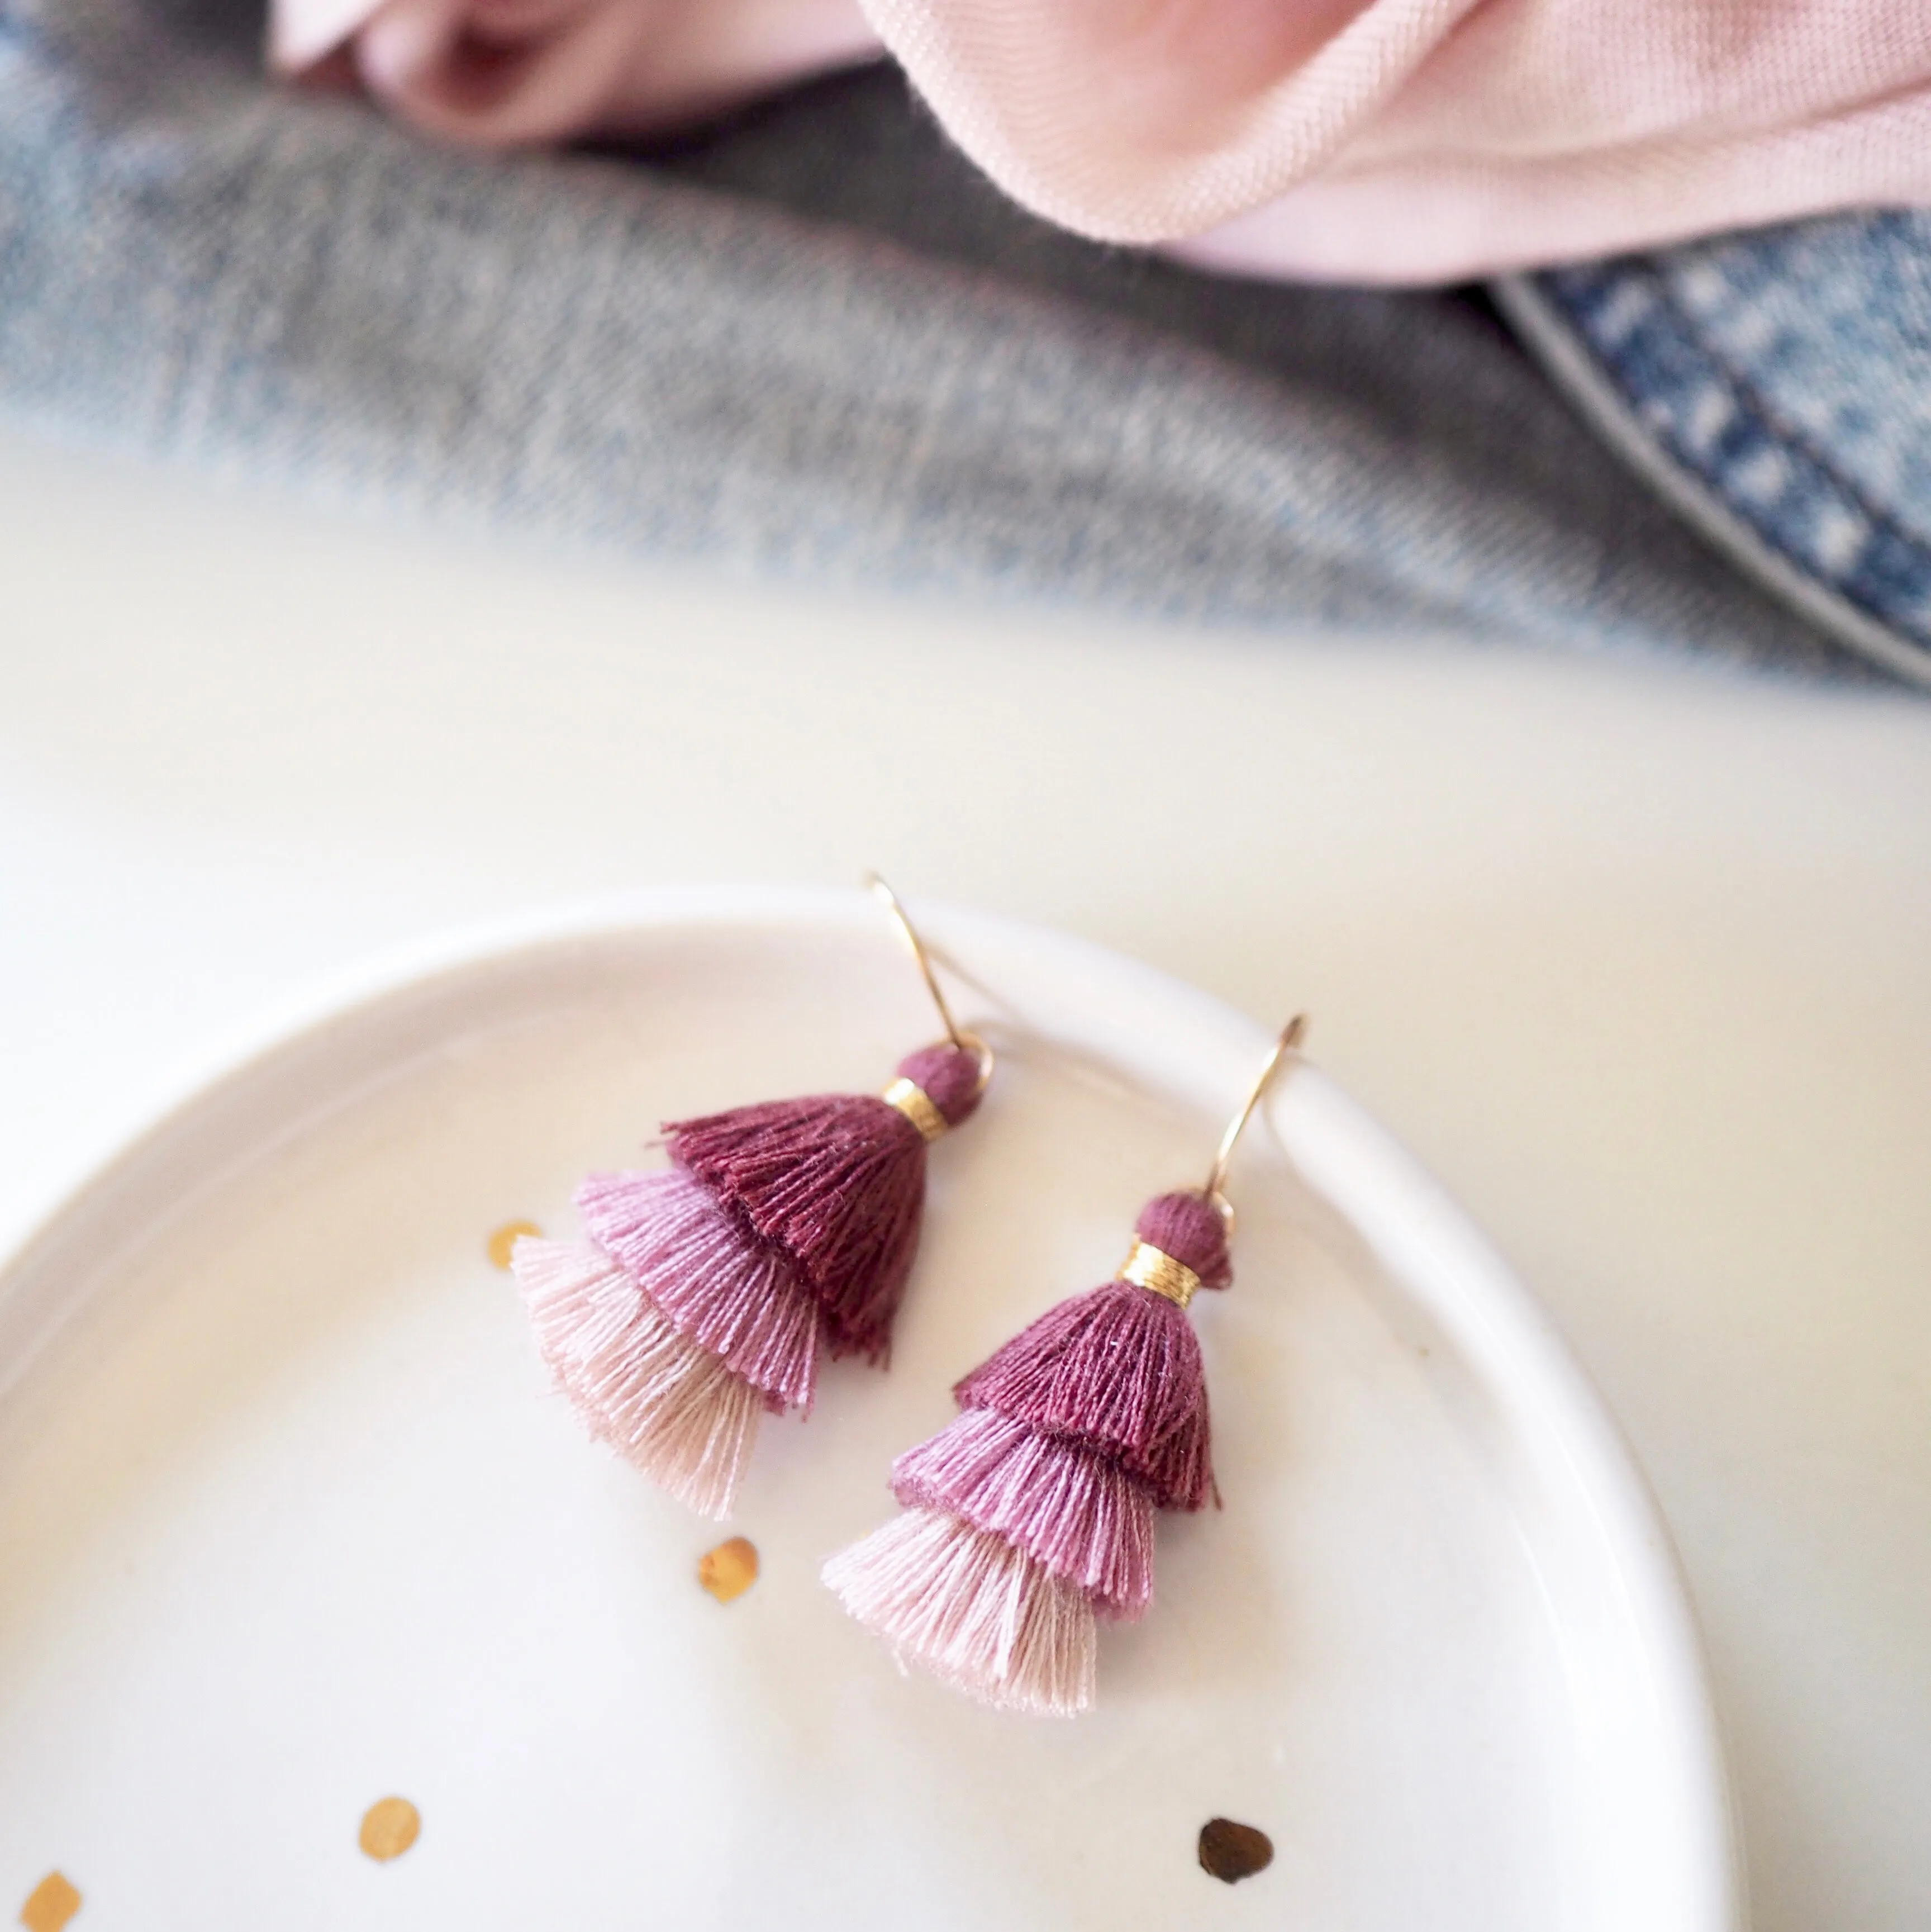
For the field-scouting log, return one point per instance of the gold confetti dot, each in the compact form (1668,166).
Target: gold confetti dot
(389,1827)
(506,1237)
(50,1905)
(729,1570)
(1232,1851)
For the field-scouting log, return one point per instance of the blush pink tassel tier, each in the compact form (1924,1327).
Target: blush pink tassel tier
(1031,1515)
(703,1296)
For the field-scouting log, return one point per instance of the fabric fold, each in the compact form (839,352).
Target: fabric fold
(1355,140)
(536,73)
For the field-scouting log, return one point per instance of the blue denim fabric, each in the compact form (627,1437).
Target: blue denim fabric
(813,343)
(1781,382)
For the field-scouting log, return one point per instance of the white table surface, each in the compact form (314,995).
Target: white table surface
(1638,957)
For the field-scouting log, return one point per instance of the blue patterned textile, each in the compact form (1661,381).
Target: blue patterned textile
(1777,386)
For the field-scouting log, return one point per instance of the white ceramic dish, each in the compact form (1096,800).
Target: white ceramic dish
(288,1521)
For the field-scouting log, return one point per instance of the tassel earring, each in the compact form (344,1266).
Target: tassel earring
(705,1294)
(1031,1515)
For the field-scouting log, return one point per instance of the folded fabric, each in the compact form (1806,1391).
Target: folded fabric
(1364,140)
(532,72)
(814,345)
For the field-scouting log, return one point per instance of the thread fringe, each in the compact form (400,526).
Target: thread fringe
(662,1402)
(973,1611)
(1085,1518)
(710,1276)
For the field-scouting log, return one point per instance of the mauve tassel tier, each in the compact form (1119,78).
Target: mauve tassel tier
(704,1295)
(1031,1515)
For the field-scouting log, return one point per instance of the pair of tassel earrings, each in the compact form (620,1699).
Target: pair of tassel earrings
(703,1296)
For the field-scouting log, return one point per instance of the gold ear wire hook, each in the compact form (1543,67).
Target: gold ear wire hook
(961,1041)
(1292,1034)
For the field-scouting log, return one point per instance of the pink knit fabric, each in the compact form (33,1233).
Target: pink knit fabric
(525,72)
(1382,140)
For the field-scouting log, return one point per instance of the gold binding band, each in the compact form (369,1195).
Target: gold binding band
(1148,1267)
(916,1104)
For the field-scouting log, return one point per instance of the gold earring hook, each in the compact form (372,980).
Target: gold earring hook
(1292,1034)
(962,1042)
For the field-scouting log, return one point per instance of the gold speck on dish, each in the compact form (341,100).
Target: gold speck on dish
(50,1904)
(505,1238)
(1230,1852)
(729,1570)
(389,1827)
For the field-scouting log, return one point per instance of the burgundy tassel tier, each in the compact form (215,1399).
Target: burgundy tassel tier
(835,1182)
(704,1294)
(1031,1515)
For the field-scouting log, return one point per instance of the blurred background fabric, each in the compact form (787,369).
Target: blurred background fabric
(813,344)
(1776,387)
